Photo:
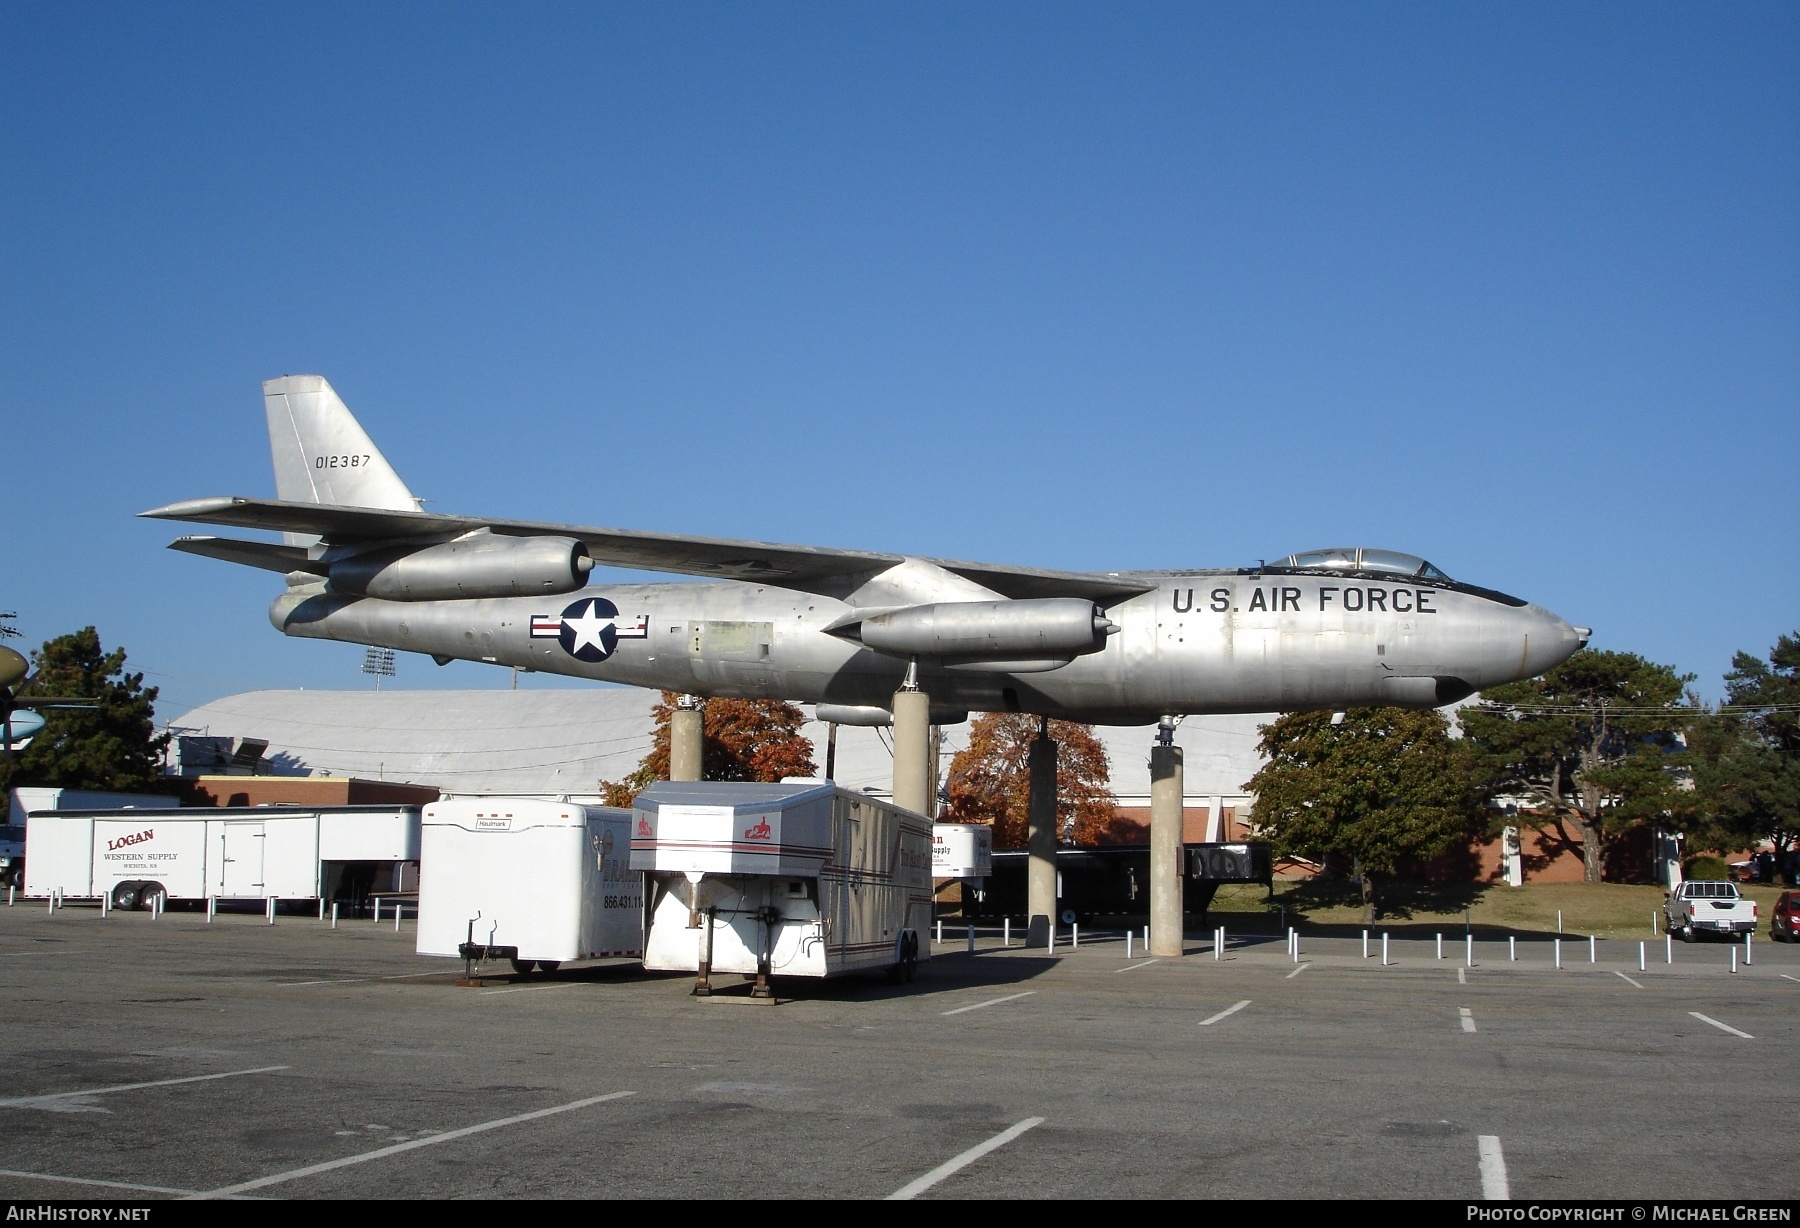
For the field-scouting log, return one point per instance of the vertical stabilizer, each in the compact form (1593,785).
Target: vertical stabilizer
(321,452)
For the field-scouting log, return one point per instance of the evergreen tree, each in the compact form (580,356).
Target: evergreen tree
(112,746)
(1594,744)
(1382,786)
(1747,762)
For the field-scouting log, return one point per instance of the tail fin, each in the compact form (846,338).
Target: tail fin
(321,452)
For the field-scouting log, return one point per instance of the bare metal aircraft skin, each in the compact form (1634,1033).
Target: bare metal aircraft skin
(1325,629)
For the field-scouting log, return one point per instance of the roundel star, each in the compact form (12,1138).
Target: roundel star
(589,630)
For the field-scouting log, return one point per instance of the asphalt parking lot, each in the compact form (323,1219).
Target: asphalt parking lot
(170,1057)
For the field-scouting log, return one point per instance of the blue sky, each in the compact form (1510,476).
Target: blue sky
(1514,287)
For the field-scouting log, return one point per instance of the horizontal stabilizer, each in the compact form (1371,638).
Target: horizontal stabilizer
(266,555)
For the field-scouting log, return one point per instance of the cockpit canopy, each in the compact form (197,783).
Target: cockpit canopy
(1383,562)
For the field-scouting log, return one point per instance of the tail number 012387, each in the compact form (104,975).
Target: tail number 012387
(340,462)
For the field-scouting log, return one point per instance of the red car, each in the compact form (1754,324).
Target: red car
(1784,920)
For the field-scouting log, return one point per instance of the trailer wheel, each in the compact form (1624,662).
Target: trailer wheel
(523,966)
(125,895)
(146,896)
(548,965)
(1069,917)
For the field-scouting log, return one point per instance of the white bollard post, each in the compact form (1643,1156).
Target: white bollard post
(1365,944)
(1293,940)
(105,897)
(399,911)
(1440,946)
(1384,948)
(1006,931)
(940,931)
(1074,935)
(1146,938)
(1469,961)
(1653,921)
(1669,942)
(321,908)
(1734,960)
(334,914)
(1218,944)
(1512,947)
(1747,960)
(1559,921)
(1643,954)
(1558,952)
(52,909)
(212,906)
(1296,948)
(969,938)
(1127,944)
(1052,936)
(9,896)
(1592,958)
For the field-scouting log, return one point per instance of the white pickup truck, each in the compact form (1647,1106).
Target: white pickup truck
(1698,908)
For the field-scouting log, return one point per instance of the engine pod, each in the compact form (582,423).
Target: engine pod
(481,564)
(1039,628)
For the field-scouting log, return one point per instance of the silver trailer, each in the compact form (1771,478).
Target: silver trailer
(796,879)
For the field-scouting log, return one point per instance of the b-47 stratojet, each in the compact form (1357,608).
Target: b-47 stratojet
(842,628)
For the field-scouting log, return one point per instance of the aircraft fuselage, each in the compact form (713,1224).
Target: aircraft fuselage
(1199,642)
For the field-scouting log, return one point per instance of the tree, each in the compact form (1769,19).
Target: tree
(1747,758)
(742,739)
(990,779)
(1382,786)
(1594,743)
(113,746)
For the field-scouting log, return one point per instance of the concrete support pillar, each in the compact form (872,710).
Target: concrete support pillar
(1165,847)
(687,738)
(1041,841)
(912,751)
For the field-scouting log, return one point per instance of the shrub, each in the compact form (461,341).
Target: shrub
(1706,868)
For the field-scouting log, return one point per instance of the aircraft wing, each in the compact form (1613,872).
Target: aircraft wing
(802,567)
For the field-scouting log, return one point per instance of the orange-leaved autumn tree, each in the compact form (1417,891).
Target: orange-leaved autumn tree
(745,739)
(990,781)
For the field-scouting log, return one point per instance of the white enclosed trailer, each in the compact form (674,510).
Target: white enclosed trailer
(533,881)
(798,879)
(274,852)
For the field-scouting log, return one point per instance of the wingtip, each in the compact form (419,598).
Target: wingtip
(190,507)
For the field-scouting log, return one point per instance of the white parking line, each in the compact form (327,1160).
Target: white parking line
(1296,972)
(430,1140)
(1723,1027)
(1011,997)
(1142,963)
(1626,979)
(532,988)
(1462,976)
(52,1099)
(1468,1018)
(105,1185)
(1786,977)
(1494,1185)
(1230,1010)
(912,1189)
(358,980)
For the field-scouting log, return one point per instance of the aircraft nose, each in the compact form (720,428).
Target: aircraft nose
(1552,642)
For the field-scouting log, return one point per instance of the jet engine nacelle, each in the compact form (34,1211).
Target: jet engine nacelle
(1048,627)
(479,565)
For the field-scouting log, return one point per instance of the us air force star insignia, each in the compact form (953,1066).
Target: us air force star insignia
(590,629)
